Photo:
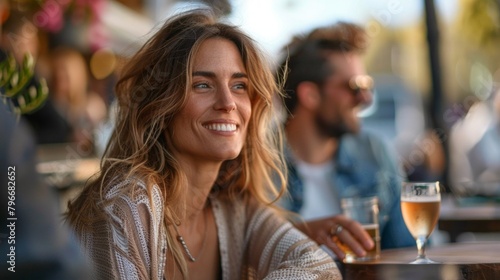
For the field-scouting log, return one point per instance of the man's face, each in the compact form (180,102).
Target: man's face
(343,95)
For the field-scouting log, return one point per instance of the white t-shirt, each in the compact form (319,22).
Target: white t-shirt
(320,198)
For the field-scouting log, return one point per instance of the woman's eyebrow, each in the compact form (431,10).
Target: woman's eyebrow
(204,74)
(239,75)
(212,74)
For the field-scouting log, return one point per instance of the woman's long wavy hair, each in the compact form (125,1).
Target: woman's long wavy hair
(153,89)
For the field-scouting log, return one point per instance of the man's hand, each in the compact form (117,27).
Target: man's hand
(330,230)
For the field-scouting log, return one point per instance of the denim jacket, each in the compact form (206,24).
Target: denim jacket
(364,166)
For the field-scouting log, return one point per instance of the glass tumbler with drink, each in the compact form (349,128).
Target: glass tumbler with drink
(365,211)
(420,203)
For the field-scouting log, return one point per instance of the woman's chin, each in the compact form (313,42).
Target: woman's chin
(230,155)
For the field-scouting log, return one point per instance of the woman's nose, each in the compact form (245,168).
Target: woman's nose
(225,100)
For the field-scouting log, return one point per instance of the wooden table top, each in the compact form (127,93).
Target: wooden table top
(456,261)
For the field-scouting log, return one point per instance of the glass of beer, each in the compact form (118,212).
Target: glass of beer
(365,211)
(420,203)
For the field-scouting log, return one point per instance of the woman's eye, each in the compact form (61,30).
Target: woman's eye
(240,86)
(201,86)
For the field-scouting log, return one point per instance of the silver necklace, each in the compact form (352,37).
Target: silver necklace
(184,245)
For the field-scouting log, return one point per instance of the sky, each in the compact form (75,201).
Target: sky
(273,22)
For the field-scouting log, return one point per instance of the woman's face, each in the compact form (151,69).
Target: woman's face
(213,125)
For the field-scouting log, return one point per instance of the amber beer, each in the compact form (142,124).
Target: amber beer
(373,254)
(420,214)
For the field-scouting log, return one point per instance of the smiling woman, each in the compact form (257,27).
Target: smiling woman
(186,184)
(213,124)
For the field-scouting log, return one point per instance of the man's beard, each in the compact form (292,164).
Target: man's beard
(328,129)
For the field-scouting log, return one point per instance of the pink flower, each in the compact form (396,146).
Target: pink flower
(50,17)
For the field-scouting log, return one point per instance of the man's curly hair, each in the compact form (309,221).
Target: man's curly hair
(307,55)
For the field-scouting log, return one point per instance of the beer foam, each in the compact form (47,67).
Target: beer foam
(421,198)
(370,226)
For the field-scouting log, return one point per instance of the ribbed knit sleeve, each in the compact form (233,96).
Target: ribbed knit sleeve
(268,246)
(131,242)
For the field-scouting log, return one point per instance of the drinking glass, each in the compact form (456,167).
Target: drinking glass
(420,203)
(365,211)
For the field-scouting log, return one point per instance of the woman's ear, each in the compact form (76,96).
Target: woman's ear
(308,95)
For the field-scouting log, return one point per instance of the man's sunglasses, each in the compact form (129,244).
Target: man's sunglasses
(361,82)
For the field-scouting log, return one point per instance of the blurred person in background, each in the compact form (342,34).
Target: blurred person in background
(475,149)
(329,156)
(69,91)
(35,245)
(185,190)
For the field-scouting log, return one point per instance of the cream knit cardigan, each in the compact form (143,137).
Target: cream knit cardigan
(254,241)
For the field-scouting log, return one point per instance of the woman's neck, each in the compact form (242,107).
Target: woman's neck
(200,180)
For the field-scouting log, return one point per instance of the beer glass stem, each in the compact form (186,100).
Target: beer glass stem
(421,247)
(422,258)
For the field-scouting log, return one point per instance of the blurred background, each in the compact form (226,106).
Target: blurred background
(436,67)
